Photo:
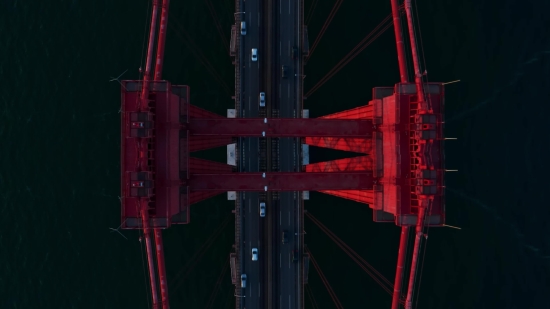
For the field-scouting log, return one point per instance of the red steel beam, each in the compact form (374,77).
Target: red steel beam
(281,181)
(202,166)
(280,127)
(400,266)
(197,143)
(360,112)
(197,112)
(360,145)
(414,263)
(417,74)
(360,196)
(161,269)
(162,39)
(158,233)
(399,41)
(149,248)
(143,102)
(148,63)
(362,163)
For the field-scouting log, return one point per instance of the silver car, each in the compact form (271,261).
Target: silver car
(243,281)
(243,27)
(254,254)
(254,54)
(262,209)
(262,99)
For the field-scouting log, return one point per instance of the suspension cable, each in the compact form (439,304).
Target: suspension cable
(311,297)
(325,26)
(195,258)
(324,280)
(147,291)
(217,286)
(354,256)
(198,53)
(367,40)
(310,11)
(217,22)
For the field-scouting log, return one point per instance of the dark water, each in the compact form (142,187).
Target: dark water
(59,172)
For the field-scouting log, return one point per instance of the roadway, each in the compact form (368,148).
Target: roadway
(282,94)
(289,154)
(250,79)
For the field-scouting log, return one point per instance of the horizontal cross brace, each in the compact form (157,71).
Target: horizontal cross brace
(281,127)
(281,181)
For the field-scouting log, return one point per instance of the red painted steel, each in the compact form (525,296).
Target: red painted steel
(141,156)
(403,240)
(197,143)
(202,166)
(416,249)
(147,76)
(359,145)
(161,39)
(362,163)
(198,196)
(161,269)
(399,42)
(417,74)
(281,127)
(404,79)
(197,112)
(149,248)
(158,233)
(281,181)
(360,196)
(361,112)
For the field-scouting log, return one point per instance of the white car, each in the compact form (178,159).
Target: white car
(254,54)
(262,209)
(262,99)
(243,281)
(243,27)
(254,254)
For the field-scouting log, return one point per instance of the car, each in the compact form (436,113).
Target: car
(262,99)
(254,254)
(284,238)
(294,52)
(243,27)
(294,255)
(243,281)
(254,54)
(284,70)
(262,209)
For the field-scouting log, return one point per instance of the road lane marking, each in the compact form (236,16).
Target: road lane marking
(289,90)
(288,6)
(280,217)
(258,19)
(289,218)
(280,259)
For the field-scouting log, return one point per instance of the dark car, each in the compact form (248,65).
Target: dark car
(294,52)
(285,237)
(284,71)
(294,255)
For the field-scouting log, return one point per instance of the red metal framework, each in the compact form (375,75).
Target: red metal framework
(399,135)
